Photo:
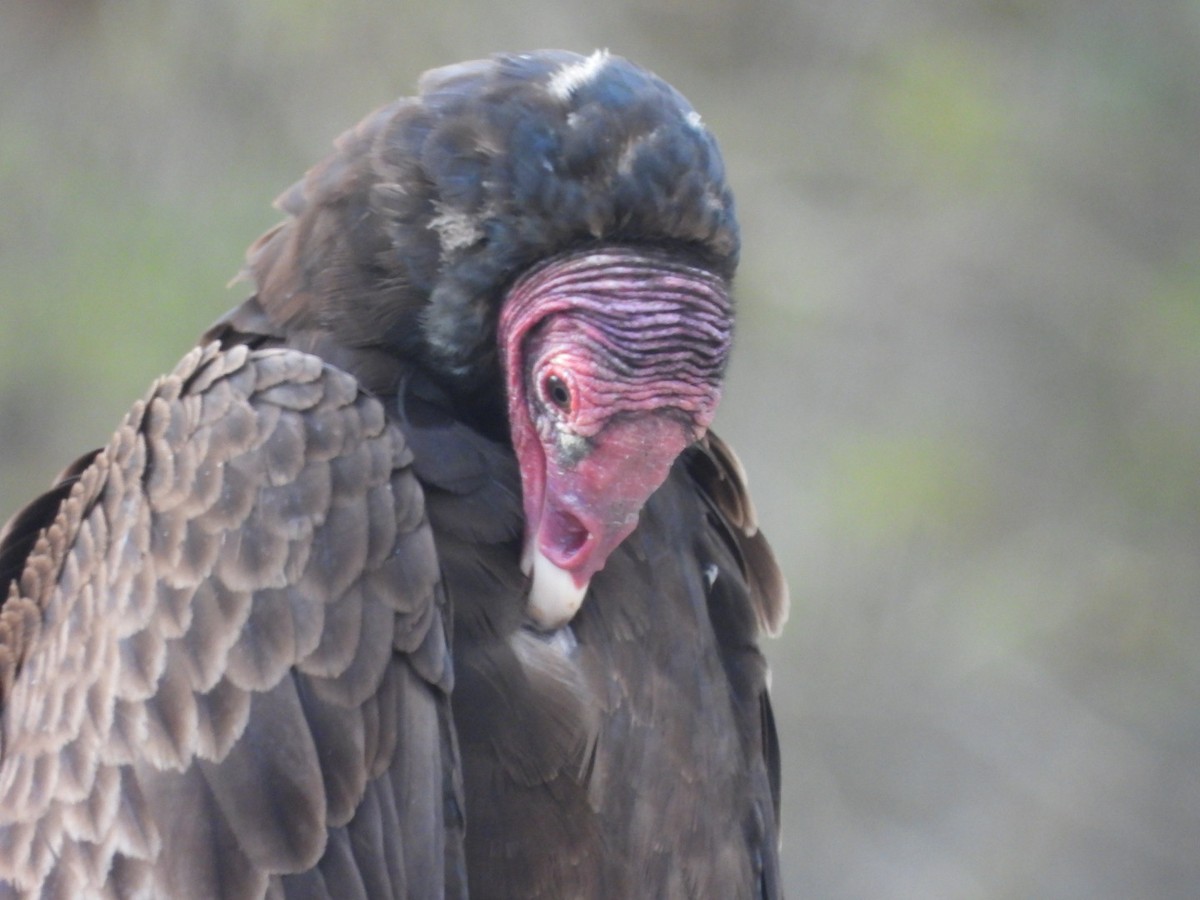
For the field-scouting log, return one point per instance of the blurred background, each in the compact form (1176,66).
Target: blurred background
(967,388)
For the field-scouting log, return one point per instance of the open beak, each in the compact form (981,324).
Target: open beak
(587,509)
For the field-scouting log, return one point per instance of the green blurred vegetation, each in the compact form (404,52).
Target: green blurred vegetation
(967,387)
(938,104)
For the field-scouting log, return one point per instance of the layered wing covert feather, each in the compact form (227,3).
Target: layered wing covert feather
(224,668)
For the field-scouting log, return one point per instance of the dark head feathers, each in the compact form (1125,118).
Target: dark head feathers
(407,234)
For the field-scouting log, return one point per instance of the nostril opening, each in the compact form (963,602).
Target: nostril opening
(567,535)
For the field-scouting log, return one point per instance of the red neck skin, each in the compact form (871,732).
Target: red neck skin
(612,362)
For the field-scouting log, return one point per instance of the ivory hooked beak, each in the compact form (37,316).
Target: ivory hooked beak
(554,595)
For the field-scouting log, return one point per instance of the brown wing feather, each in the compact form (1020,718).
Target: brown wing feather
(201,683)
(720,476)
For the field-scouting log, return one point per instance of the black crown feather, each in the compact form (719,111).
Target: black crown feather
(495,165)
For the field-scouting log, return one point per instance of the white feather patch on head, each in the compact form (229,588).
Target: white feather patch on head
(569,78)
(554,597)
(455,229)
(628,152)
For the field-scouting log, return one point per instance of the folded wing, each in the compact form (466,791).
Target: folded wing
(223,663)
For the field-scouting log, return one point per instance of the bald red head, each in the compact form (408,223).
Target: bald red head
(613,360)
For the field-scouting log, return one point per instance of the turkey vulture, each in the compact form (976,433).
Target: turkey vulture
(421,575)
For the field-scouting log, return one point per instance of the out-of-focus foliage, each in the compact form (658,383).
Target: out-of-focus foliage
(967,388)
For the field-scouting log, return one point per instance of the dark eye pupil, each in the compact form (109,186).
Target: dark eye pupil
(557,391)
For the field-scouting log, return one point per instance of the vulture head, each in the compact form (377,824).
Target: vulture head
(552,238)
(225,649)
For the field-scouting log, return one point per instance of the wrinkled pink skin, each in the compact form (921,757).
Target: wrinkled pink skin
(583,511)
(586,471)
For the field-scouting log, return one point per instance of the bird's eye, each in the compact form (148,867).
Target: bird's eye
(556,392)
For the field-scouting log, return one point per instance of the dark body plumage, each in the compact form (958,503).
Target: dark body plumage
(225,653)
